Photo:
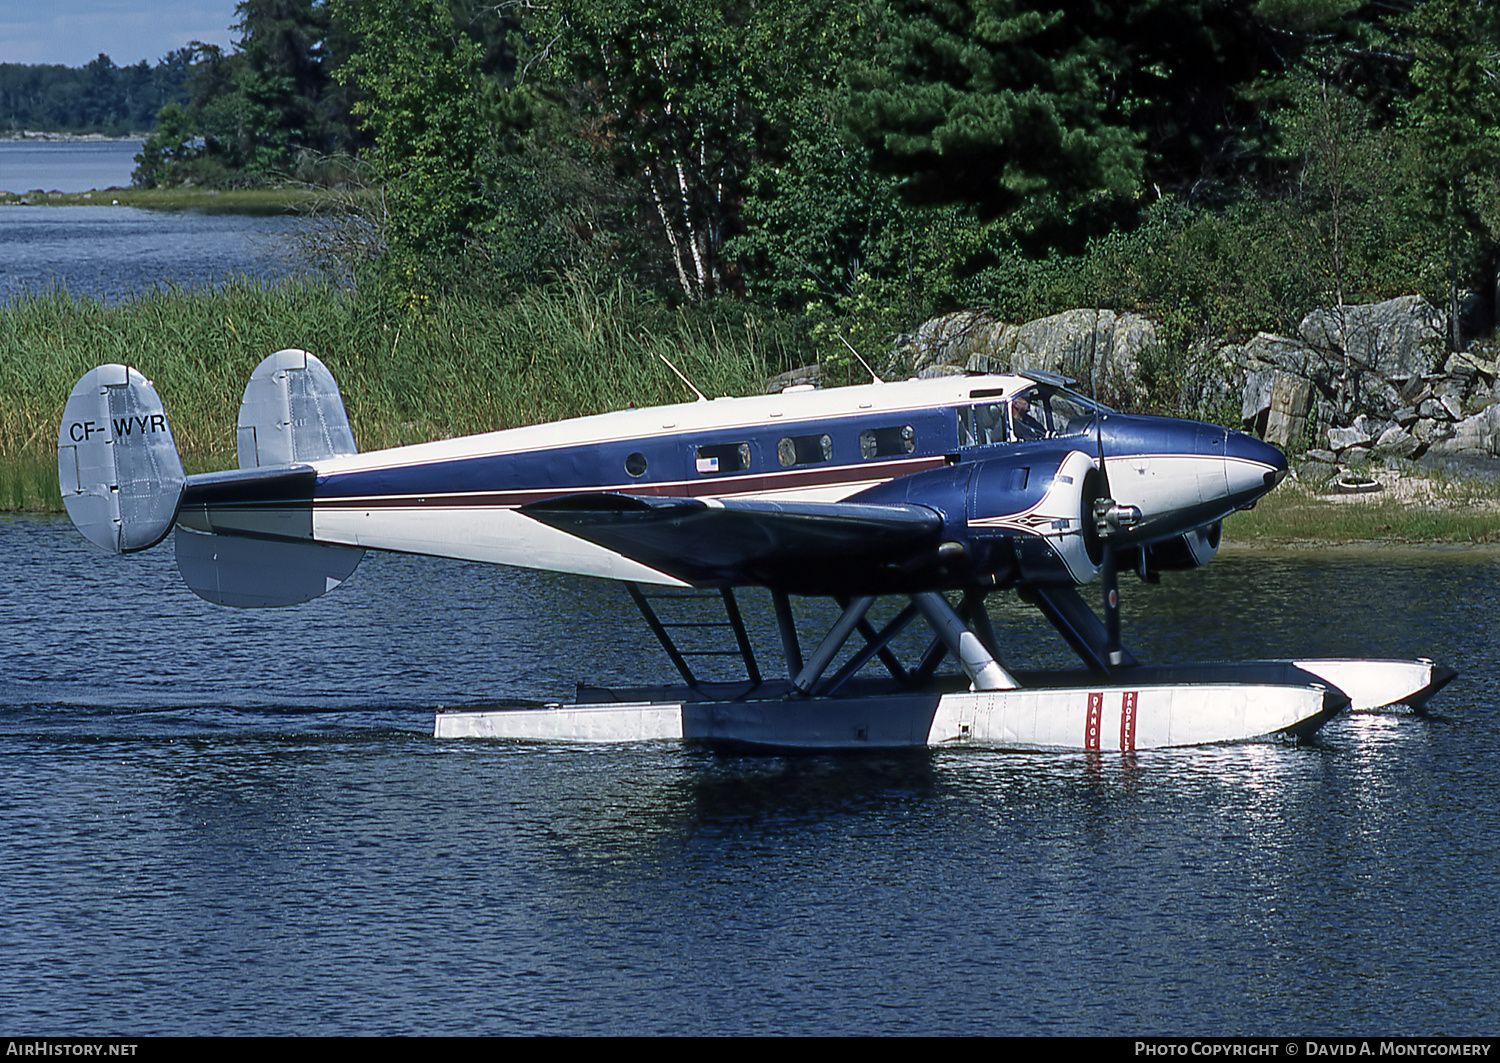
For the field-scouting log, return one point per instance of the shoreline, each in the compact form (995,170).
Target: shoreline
(1357,547)
(284,200)
(33,136)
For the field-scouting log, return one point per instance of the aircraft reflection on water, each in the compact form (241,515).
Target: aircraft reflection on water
(960,485)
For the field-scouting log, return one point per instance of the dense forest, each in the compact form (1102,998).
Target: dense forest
(1224,165)
(98,98)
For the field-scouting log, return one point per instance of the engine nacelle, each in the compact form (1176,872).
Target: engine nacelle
(1024,518)
(1048,521)
(1192,549)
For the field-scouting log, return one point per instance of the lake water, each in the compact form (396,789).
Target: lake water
(66,166)
(222,822)
(110,252)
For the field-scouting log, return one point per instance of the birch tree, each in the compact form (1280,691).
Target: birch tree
(670,86)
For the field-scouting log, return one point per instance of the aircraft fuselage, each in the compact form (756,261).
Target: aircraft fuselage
(960,446)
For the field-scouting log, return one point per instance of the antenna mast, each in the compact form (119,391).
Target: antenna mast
(701,397)
(862,362)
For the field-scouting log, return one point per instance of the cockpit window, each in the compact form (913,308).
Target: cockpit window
(1068,414)
(1038,412)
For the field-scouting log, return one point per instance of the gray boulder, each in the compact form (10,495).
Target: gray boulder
(1397,339)
(1478,434)
(955,340)
(807,375)
(1356,435)
(1071,343)
(1099,348)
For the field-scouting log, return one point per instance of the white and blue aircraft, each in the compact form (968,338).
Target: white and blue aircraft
(919,489)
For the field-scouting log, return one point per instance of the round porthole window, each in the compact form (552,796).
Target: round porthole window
(635,464)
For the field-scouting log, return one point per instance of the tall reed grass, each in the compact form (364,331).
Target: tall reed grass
(457,365)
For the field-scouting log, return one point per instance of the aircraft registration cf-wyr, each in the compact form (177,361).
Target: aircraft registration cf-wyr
(926,489)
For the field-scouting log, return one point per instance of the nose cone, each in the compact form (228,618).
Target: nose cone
(1252,467)
(1183,475)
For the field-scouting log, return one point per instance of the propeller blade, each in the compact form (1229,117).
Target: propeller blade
(1105,517)
(1109,577)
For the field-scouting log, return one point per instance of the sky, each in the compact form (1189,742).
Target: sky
(75,32)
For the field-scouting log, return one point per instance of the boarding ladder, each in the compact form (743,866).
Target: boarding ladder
(696,629)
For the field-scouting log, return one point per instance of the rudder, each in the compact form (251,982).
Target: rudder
(117,464)
(291,412)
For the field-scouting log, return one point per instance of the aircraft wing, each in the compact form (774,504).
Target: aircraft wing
(719,542)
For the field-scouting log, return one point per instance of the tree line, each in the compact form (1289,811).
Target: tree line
(1223,164)
(97,98)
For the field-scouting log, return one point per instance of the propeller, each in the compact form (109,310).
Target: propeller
(1110,519)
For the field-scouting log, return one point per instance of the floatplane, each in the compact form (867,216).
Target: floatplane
(934,493)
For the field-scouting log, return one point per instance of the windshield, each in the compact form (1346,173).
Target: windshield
(1037,412)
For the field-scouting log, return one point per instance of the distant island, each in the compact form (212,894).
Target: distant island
(97,100)
(29,135)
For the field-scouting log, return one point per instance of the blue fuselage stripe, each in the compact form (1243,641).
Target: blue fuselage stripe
(513,479)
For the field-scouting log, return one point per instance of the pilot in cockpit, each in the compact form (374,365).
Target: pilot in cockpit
(1023,423)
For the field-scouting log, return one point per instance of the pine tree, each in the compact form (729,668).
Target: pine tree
(995,104)
(1454,118)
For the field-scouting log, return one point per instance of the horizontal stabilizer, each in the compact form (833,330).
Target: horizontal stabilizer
(258,573)
(718,542)
(291,412)
(117,464)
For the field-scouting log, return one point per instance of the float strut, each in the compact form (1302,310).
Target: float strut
(1080,628)
(786,624)
(832,643)
(984,672)
(876,643)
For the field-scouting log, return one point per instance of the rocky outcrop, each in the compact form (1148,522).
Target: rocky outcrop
(1379,382)
(1099,348)
(1374,380)
(802,376)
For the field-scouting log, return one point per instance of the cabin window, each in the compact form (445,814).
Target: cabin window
(892,442)
(981,424)
(804,450)
(723,458)
(635,464)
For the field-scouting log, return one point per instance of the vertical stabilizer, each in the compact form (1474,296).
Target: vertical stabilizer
(117,463)
(292,412)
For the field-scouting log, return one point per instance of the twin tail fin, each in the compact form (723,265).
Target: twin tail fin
(117,462)
(123,485)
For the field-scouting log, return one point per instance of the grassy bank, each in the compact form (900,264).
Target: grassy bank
(457,366)
(1412,506)
(468,364)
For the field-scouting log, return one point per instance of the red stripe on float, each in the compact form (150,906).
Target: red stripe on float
(1093,725)
(1128,703)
